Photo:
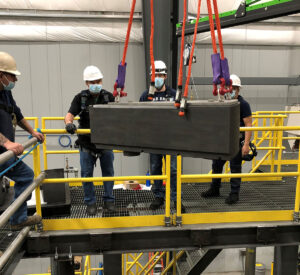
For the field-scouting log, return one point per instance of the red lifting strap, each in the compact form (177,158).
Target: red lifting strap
(186,88)
(120,81)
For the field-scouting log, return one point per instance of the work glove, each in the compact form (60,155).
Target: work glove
(71,128)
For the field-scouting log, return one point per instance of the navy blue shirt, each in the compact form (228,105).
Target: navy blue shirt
(168,95)
(245,110)
(6,126)
(84,122)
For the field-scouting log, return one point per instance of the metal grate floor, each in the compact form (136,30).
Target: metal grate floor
(6,237)
(254,196)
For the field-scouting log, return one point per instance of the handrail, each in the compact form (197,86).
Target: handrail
(9,154)
(21,199)
(14,246)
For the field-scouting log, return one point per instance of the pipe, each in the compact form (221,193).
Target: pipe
(17,203)
(14,247)
(66,16)
(9,154)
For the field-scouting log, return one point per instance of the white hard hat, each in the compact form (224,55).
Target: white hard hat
(8,64)
(236,81)
(160,67)
(91,73)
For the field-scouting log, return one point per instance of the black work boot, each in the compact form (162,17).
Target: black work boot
(109,206)
(232,198)
(211,192)
(157,203)
(31,220)
(183,210)
(91,209)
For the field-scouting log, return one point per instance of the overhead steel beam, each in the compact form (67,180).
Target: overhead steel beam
(150,239)
(292,81)
(230,19)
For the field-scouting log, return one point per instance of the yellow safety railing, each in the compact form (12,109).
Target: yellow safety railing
(271,132)
(133,260)
(88,268)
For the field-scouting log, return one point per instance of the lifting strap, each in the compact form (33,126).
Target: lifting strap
(220,66)
(186,87)
(179,86)
(152,84)
(120,81)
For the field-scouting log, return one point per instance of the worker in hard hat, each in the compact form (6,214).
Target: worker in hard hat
(162,93)
(236,162)
(93,95)
(10,117)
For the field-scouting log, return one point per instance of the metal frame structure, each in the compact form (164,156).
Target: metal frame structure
(247,13)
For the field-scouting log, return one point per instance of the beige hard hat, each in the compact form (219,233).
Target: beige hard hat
(8,64)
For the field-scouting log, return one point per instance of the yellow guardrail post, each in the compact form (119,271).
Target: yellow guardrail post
(178,189)
(37,171)
(45,145)
(297,197)
(168,184)
(279,144)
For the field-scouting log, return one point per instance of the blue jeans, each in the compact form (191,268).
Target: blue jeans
(23,176)
(87,163)
(156,169)
(235,167)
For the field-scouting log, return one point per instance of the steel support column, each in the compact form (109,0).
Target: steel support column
(162,33)
(112,263)
(62,266)
(285,260)
(250,261)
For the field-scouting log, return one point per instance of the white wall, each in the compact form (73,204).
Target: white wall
(52,75)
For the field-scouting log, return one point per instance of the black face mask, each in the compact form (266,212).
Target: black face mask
(250,157)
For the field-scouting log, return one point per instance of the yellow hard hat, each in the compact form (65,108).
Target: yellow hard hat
(8,64)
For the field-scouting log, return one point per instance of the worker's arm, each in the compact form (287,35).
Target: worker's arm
(69,118)
(248,134)
(23,123)
(17,148)
(70,127)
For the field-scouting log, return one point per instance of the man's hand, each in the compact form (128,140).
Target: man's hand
(71,128)
(17,148)
(40,137)
(245,150)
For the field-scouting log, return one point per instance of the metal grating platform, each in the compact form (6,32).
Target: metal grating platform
(6,237)
(254,196)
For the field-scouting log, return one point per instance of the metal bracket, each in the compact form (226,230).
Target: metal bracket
(296,217)
(266,235)
(241,11)
(167,221)
(178,221)
(201,237)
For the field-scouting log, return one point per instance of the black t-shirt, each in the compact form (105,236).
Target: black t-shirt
(245,110)
(168,95)
(79,106)
(6,126)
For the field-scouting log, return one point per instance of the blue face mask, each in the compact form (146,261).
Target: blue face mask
(232,94)
(95,88)
(9,86)
(159,82)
